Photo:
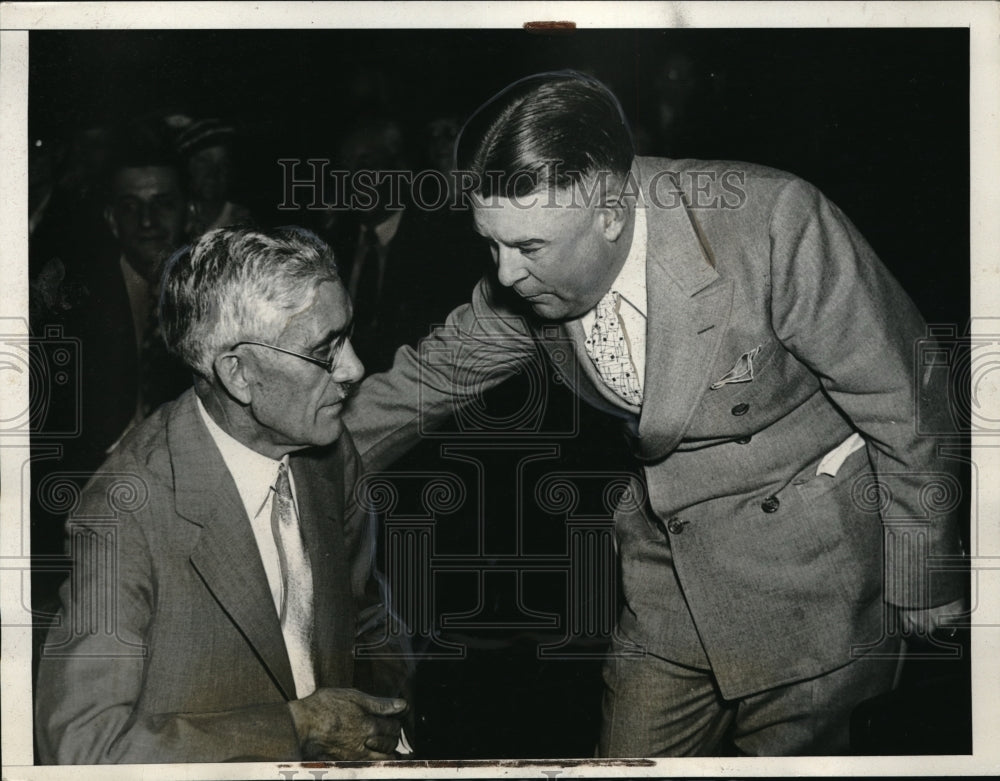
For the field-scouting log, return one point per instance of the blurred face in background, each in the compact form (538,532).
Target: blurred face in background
(147,214)
(368,151)
(210,174)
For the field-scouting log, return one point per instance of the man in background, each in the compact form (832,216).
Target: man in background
(390,240)
(105,296)
(96,290)
(205,148)
(147,214)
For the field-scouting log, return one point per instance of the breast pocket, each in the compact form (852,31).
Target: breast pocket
(778,384)
(741,387)
(742,364)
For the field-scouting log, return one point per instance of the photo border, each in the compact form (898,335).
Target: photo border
(15,640)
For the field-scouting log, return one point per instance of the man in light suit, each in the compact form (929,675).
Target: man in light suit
(222,569)
(762,363)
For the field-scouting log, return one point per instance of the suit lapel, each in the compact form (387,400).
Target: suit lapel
(225,554)
(688,307)
(320,515)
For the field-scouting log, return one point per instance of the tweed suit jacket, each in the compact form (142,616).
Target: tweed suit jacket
(735,554)
(167,647)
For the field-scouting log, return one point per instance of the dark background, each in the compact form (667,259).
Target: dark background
(877,119)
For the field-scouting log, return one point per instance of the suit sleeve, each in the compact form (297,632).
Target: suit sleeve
(91,670)
(839,311)
(481,344)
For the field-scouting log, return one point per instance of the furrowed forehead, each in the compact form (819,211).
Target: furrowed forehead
(543,215)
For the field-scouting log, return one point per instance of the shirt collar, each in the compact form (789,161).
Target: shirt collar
(630,283)
(386,230)
(253,473)
(133,279)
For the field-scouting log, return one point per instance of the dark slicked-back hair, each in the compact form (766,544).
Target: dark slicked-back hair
(549,130)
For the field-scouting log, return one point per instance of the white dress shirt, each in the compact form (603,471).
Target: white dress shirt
(255,475)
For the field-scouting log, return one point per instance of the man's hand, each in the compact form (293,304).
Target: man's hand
(924,621)
(347,724)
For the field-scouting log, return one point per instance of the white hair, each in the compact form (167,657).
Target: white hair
(238,284)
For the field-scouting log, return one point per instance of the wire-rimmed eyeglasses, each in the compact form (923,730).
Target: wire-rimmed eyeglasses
(328,365)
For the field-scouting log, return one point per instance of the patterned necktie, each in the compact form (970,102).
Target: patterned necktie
(296,585)
(609,351)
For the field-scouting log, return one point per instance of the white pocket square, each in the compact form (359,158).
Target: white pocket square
(741,372)
(833,460)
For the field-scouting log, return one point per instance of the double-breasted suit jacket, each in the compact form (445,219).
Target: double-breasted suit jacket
(735,553)
(168,647)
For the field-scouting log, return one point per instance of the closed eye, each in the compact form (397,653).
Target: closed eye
(332,344)
(528,246)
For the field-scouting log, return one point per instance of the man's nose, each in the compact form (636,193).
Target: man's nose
(510,266)
(349,367)
(146,214)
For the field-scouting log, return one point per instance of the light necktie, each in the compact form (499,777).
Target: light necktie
(297,585)
(608,349)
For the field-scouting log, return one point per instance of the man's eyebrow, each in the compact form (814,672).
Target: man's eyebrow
(524,243)
(517,243)
(330,336)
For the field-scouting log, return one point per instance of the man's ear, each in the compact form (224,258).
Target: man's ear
(232,373)
(109,218)
(614,217)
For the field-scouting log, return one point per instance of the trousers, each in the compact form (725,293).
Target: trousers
(653,707)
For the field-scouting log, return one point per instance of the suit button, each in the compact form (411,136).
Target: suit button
(676,525)
(771,504)
(743,441)
(740,409)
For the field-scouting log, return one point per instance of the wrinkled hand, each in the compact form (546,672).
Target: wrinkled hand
(347,724)
(926,620)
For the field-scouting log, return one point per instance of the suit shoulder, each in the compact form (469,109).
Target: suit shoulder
(135,472)
(692,167)
(747,192)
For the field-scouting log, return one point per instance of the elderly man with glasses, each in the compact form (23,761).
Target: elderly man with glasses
(222,570)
